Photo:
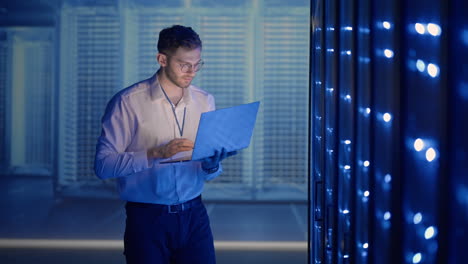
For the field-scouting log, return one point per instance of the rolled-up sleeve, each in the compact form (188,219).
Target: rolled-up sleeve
(118,127)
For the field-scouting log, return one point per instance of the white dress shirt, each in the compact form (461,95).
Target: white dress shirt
(138,118)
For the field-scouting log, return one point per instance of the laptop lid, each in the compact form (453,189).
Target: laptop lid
(229,128)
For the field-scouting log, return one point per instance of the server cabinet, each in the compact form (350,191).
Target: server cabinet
(388,175)
(455,206)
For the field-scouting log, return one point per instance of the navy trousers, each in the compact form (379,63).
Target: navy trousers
(160,234)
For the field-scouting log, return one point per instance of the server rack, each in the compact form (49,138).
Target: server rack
(388,176)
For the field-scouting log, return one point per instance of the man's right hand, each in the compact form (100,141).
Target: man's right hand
(170,149)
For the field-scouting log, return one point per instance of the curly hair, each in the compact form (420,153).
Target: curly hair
(171,38)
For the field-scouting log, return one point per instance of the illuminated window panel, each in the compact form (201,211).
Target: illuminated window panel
(26,121)
(90,58)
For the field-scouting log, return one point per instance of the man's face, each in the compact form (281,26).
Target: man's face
(180,66)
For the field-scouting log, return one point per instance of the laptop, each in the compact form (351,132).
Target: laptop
(229,128)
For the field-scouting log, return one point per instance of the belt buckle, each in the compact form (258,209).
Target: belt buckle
(177,208)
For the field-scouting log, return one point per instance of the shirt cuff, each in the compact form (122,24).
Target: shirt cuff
(211,176)
(140,161)
(212,170)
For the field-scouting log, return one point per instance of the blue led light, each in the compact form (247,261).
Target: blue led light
(330,50)
(347,167)
(364,30)
(417,258)
(364,59)
(387,117)
(417,218)
(431,154)
(348,28)
(388,178)
(387,216)
(365,245)
(348,97)
(433,70)
(418,144)
(434,29)
(366,194)
(420,65)
(366,163)
(347,142)
(345,211)
(386,25)
(388,53)
(430,232)
(368,110)
(420,28)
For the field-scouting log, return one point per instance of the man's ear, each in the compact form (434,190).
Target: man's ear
(162,59)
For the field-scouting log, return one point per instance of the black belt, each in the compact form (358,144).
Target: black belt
(172,209)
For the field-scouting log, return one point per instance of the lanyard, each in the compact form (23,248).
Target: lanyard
(181,130)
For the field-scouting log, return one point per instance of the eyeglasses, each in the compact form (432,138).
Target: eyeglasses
(187,67)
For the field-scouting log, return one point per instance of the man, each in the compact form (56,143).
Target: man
(143,126)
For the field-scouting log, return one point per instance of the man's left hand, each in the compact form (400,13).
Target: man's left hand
(213,161)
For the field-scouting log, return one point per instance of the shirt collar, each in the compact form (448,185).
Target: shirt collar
(157,94)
